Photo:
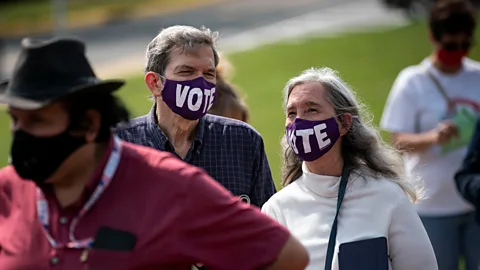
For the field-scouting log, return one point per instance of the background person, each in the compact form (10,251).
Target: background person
(430,112)
(333,157)
(181,75)
(468,176)
(228,102)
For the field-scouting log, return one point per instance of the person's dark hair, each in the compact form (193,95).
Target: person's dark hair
(452,17)
(227,100)
(112,111)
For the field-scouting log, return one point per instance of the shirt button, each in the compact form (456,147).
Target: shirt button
(54,260)
(63,220)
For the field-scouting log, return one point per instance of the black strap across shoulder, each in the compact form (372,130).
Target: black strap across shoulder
(333,233)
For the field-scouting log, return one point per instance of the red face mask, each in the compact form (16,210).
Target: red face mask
(451,58)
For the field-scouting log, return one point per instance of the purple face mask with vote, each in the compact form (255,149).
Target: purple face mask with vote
(312,139)
(190,99)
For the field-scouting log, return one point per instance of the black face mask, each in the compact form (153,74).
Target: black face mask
(37,158)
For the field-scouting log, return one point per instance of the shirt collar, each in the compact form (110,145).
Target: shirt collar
(322,185)
(90,185)
(325,185)
(97,175)
(428,63)
(161,140)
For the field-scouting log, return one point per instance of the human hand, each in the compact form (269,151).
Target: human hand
(444,132)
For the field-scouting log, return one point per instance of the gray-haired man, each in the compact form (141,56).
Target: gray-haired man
(180,73)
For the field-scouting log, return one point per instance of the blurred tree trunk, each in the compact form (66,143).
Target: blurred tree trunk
(2,51)
(60,16)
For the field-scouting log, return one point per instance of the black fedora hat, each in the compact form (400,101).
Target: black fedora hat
(47,70)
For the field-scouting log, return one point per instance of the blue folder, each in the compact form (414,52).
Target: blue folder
(368,254)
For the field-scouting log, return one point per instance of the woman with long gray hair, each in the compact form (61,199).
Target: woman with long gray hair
(344,196)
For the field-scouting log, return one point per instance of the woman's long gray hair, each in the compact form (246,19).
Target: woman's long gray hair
(362,147)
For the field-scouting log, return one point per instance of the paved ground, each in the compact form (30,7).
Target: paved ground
(118,49)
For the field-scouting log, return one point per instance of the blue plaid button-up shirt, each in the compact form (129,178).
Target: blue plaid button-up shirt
(230,151)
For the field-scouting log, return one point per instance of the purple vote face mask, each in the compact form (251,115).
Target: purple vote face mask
(190,99)
(312,139)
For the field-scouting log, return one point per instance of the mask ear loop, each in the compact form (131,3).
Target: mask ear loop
(162,80)
(353,116)
(343,123)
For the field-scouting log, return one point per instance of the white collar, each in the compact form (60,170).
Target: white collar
(322,185)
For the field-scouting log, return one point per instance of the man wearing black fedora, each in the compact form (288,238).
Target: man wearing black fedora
(77,197)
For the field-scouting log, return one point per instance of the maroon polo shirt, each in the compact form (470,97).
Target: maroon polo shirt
(179,215)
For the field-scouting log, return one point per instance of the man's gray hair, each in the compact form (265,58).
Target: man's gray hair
(362,147)
(181,37)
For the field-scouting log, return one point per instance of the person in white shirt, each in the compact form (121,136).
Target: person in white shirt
(430,112)
(332,155)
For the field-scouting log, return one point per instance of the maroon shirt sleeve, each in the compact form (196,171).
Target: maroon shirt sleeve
(5,192)
(222,232)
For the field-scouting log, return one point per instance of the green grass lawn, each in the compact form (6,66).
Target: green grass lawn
(369,62)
